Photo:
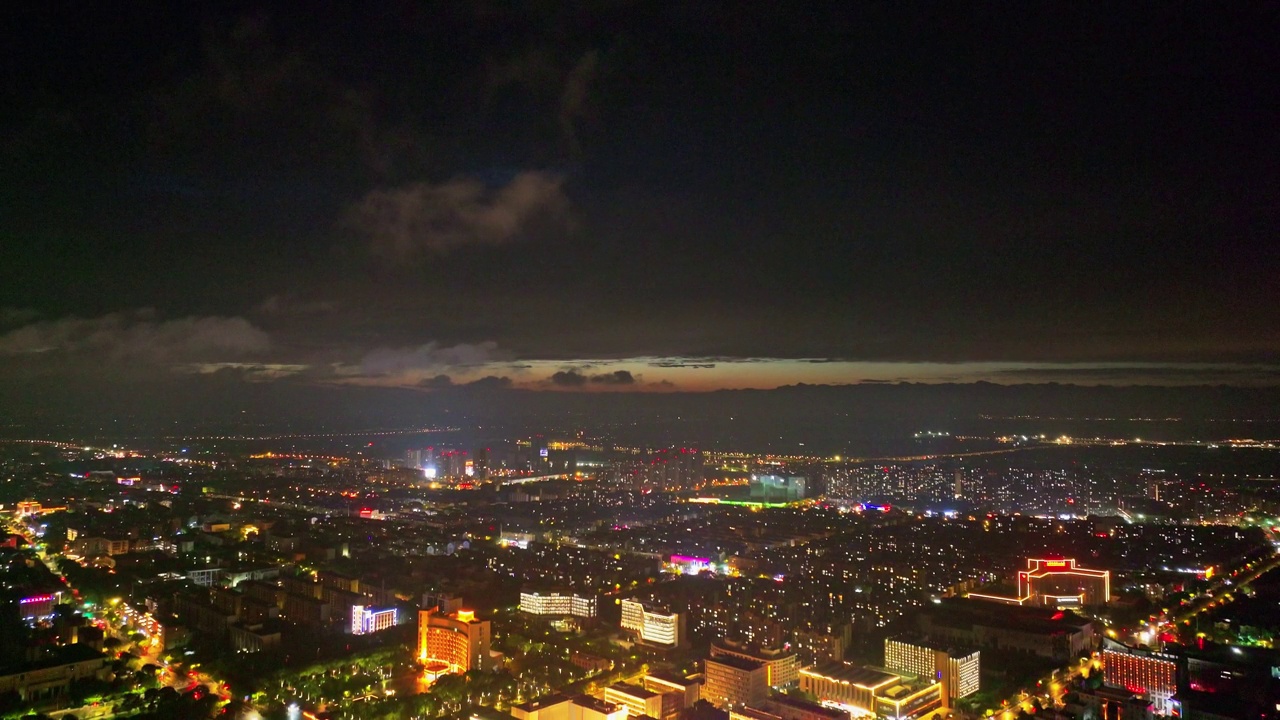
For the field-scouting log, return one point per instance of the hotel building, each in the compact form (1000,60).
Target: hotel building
(449,644)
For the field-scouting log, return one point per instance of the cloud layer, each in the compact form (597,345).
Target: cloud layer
(405,223)
(431,357)
(137,337)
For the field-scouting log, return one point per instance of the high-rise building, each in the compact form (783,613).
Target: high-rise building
(734,682)
(452,643)
(651,625)
(821,642)
(1151,675)
(959,670)
(368,619)
(674,469)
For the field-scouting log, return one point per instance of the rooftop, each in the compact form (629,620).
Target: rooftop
(852,674)
(754,714)
(673,678)
(591,703)
(925,642)
(544,701)
(811,708)
(633,690)
(961,612)
(736,662)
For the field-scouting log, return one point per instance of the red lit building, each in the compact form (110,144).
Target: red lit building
(1151,675)
(1057,582)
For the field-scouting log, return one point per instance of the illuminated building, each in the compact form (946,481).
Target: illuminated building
(687,689)
(650,625)
(555,603)
(749,713)
(821,643)
(38,607)
(1151,675)
(776,488)
(1062,582)
(959,671)
(454,643)
(735,682)
(50,683)
(674,468)
(366,619)
(639,701)
(1057,583)
(866,692)
(548,707)
(585,707)
(144,623)
(783,667)
(786,707)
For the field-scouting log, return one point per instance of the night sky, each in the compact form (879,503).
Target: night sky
(638,196)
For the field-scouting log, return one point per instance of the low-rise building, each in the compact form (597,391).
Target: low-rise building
(47,683)
(585,707)
(547,707)
(639,701)
(688,688)
(790,708)
(869,691)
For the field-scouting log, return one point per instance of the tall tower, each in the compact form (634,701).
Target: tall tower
(959,488)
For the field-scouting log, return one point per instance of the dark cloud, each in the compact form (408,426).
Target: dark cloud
(617,377)
(136,337)
(1129,374)
(406,223)
(362,171)
(490,382)
(568,378)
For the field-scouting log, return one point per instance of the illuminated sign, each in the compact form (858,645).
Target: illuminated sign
(1055,563)
(688,559)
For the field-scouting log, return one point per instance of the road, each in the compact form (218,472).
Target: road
(115,627)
